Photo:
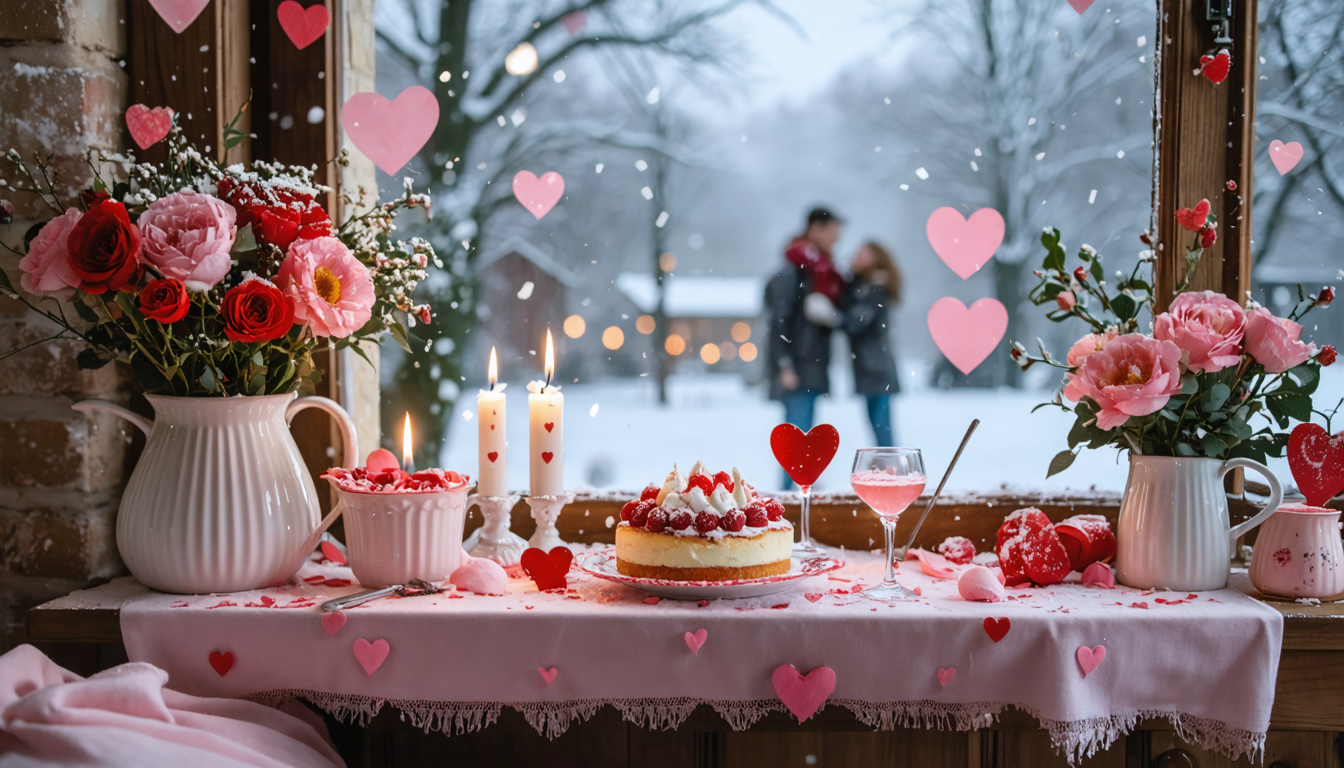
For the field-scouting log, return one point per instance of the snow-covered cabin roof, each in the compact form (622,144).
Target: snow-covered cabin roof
(533,253)
(699,296)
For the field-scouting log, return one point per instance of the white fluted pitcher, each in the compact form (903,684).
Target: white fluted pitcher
(220,500)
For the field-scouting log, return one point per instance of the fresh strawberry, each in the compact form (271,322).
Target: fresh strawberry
(650,492)
(628,510)
(656,520)
(702,482)
(706,521)
(680,520)
(773,509)
(640,516)
(957,549)
(756,516)
(724,479)
(734,520)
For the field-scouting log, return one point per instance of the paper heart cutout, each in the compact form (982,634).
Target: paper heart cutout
(303,25)
(696,639)
(179,13)
(332,552)
(1285,157)
(381,459)
(492,456)
(550,425)
(546,456)
(1317,462)
(1081,5)
(803,694)
(390,133)
(804,456)
(997,628)
(538,196)
(222,662)
(1099,575)
(371,655)
(548,674)
(148,126)
(945,675)
(1215,68)
(332,622)
(1091,658)
(547,569)
(967,336)
(965,245)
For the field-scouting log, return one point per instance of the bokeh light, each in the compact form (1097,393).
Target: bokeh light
(613,337)
(741,332)
(667,262)
(521,60)
(675,345)
(710,353)
(728,350)
(645,324)
(574,326)
(747,352)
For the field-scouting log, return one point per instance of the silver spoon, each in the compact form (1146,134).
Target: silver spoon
(928,507)
(349,601)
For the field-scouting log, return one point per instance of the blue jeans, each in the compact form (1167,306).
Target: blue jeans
(879,415)
(799,410)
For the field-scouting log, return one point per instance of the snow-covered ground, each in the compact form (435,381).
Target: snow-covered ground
(617,436)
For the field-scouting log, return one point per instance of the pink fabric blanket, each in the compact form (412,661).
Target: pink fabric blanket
(126,717)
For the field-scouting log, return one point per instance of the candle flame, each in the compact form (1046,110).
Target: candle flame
(407,457)
(550,357)
(494,368)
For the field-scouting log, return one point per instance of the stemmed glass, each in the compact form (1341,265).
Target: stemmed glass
(888,480)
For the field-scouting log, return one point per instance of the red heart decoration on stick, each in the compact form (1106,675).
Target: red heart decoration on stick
(492,456)
(803,694)
(148,126)
(1317,462)
(997,628)
(547,569)
(1215,68)
(546,456)
(804,456)
(222,662)
(303,26)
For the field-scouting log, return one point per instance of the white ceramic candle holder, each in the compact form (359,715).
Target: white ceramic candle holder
(494,540)
(546,510)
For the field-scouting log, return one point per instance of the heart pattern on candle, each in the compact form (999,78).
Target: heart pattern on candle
(549,425)
(1090,658)
(548,674)
(493,455)
(148,126)
(945,675)
(696,639)
(371,655)
(222,662)
(332,622)
(546,456)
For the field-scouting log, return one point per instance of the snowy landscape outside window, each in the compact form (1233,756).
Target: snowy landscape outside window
(693,138)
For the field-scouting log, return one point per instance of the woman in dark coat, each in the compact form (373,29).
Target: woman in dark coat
(864,317)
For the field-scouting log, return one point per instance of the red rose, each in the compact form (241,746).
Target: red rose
(164,300)
(1326,355)
(256,311)
(1208,237)
(1326,296)
(278,216)
(105,248)
(1080,275)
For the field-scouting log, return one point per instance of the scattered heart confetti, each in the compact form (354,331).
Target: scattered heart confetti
(1317,462)
(548,674)
(696,639)
(303,26)
(390,133)
(547,569)
(1285,157)
(945,675)
(222,662)
(148,126)
(1091,658)
(1099,575)
(1215,68)
(332,622)
(965,245)
(332,553)
(804,456)
(813,596)
(1081,5)
(1144,606)
(371,655)
(179,13)
(997,628)
(803,694)
(538,196)
(967,336)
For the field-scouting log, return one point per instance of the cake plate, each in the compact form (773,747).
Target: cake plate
(602,564)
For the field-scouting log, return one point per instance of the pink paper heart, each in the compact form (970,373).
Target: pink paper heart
(538,196)
(967,336)
(1090,658)
(694,641)
(1099,575)
(548,674)
(148,126)
(371,655)
(965,245)
(945,675)
(1081,5)
(1285,157)
(302,25)
(332,552)
(390,133)
(803,694)
(332,623)
(179,13)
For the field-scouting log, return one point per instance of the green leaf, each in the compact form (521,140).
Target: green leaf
(257,359)
(1237,428)
(1304,374)
(1185,449)
(1079,433)
(1060,463)
(1295,406)
(84,311)
(1097,271)
(208,380)
(1054,260)
(1050,238)
(1189,384)
(399,333)
(90,360)
(1216,397)
(1124,307)
(1214,446)
(4,282)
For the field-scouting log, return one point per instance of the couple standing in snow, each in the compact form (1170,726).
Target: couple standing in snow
(808,300)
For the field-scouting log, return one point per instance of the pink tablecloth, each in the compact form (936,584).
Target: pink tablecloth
(1205,661)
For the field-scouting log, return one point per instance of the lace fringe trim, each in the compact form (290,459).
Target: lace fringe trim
(1077,739)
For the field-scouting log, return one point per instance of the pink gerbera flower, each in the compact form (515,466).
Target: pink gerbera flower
(332,292)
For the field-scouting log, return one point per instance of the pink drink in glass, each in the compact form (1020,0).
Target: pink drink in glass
(886,493)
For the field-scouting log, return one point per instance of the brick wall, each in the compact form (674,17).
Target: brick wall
(62,89)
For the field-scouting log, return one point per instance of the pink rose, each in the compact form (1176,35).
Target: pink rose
(1066,300)
(46,268)
(1206,324)
(1274,341)
(1134,375)
(332,292)
(188,236)
(1081,349)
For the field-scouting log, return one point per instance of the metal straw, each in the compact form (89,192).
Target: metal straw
(928,507)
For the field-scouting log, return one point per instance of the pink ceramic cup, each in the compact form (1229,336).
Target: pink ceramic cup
(392,538)
(1298,553)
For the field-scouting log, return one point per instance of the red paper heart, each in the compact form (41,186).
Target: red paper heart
(1317,462)
(333,553)
(303,26)
(1216,67)
(804,456)
(997,628)
(803,694)
(222,662)
(546,456)
(547,569)
(148,126)
(549,425)
(945,675)
(492,456)
(548,674)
